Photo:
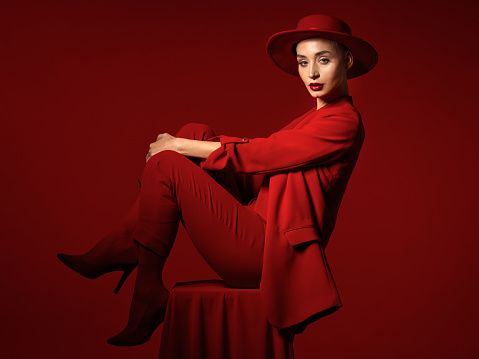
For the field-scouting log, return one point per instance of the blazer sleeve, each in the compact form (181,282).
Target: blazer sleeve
(321,140)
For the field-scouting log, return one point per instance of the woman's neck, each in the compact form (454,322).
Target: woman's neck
(341,91)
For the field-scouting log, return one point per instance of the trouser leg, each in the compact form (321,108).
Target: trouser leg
(192,131)
(195,131)
(228,235)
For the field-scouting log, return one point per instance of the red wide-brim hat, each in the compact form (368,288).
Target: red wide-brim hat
(280,46)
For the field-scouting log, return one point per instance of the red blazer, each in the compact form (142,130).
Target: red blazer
(306,167)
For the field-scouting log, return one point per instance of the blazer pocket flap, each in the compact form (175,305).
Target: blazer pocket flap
(302,235)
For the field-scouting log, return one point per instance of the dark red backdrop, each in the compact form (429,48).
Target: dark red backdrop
(87,85)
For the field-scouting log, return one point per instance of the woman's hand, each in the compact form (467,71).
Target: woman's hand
(164,142)
(185,147)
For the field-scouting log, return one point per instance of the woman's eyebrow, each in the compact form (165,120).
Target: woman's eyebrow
(316,54)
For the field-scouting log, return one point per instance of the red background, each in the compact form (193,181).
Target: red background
(87,85)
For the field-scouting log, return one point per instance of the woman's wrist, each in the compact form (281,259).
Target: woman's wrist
(194,148)
(176,145)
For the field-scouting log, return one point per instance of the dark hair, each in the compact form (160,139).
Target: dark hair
(340,48)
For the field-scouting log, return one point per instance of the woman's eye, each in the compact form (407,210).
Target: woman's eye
(302,63)
(323,60)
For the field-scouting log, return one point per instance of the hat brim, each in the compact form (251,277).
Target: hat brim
(280,50)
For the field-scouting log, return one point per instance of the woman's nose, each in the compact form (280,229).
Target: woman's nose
(313,71)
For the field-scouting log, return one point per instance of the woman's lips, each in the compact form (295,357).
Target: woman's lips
(316,86)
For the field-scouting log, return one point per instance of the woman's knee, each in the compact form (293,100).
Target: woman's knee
(167,164)
(196,131)
(164,159)
(169,168)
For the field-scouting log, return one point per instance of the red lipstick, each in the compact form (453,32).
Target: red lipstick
(315,86)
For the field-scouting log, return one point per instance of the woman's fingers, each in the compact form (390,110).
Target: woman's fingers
(164,136)
(162,143)
(153,150)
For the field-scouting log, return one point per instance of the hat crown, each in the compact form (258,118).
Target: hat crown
(280,46)
(323,22)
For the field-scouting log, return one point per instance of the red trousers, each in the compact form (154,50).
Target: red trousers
(229,235)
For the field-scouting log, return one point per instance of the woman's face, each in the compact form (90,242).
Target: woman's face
(323,69)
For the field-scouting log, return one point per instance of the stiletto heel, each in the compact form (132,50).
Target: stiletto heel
(122,279)
(116,252)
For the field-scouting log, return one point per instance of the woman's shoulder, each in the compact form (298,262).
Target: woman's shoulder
(340,108)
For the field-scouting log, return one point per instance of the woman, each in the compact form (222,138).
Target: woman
(268,222)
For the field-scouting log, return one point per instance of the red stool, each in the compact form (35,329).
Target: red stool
(211,320)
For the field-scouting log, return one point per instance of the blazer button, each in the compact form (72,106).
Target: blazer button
(243,139)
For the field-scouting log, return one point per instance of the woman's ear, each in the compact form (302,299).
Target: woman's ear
(348,59)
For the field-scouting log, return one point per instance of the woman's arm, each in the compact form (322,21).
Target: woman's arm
(186,147)
(322,140)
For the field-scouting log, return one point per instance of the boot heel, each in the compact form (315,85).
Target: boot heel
(125,275)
